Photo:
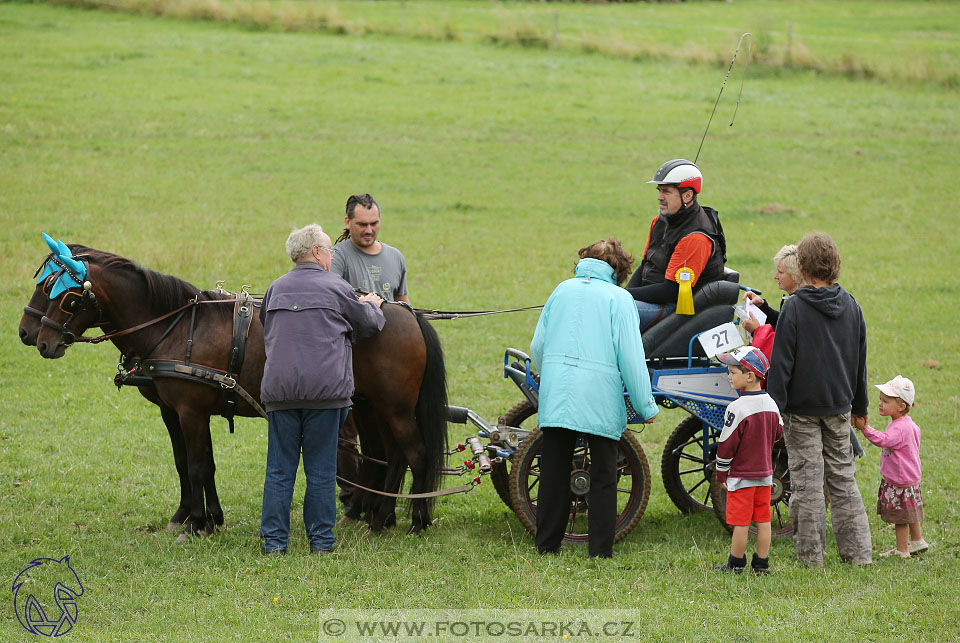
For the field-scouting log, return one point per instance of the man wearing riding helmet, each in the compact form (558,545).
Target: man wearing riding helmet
(684,234)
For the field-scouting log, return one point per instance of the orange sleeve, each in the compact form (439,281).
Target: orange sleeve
(649,232)
(694,252)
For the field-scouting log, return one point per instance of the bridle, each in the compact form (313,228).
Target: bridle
(74,300)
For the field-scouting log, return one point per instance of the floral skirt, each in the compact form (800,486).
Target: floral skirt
(899,505)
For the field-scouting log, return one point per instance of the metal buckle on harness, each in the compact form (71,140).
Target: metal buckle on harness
(228,382)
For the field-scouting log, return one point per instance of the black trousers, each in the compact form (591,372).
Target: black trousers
(555,496)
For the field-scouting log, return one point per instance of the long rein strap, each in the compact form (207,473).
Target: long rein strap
(127,331)
(464,488)
(430,313)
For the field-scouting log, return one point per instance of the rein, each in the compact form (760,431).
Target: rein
(430,313)
(464,488)
(96,340)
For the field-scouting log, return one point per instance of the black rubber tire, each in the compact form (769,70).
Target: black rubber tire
(500,474)
(779,497)
(686,474)
(631,499)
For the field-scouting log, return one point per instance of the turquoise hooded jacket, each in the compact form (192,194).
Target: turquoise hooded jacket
(587,346)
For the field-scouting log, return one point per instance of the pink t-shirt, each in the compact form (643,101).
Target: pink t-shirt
(900,461)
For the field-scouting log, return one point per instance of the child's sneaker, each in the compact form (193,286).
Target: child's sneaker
(895,552)
(760,565)
(918,546)
(735,565)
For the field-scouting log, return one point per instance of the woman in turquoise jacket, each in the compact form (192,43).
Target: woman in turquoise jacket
(587,346)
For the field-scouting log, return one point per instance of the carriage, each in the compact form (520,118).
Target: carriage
(682,376)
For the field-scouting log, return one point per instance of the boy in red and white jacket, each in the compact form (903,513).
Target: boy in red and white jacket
(744,466)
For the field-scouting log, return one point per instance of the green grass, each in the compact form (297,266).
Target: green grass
(894,41)
(195,148)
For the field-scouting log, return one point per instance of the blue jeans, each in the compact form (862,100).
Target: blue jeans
(649,312)
(314,432)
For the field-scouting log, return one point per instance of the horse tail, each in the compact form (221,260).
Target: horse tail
(432,404)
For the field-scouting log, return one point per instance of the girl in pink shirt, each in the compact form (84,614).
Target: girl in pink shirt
(899,500)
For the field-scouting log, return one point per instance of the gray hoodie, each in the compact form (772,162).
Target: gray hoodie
(819,360)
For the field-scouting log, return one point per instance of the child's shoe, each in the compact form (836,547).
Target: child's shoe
(895,552)
(735,565)
(760,565)
(918,546)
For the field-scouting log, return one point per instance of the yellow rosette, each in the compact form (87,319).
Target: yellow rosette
(684,278)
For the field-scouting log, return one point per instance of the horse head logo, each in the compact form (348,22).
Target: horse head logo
(60,587)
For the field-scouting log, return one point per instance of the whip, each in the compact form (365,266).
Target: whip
(742,78)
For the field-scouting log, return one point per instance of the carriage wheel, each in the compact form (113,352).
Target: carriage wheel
(686,473)
(500,475)
(779,496)
(633,486)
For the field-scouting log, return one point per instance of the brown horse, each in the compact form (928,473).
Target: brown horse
(400,372)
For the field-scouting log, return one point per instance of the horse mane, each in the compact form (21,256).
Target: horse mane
(164,292)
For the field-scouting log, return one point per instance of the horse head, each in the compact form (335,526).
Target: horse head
(50,275)
(71,306)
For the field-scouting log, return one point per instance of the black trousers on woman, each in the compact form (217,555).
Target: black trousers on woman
(555,496)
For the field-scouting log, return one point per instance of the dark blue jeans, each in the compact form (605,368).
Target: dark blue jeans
(314,433)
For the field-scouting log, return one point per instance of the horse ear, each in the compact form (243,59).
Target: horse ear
(63,250)
(78,268)
(50,242)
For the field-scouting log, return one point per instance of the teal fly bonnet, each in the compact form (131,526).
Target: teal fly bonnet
(68,272)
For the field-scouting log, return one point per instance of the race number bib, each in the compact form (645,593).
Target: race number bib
(721,339)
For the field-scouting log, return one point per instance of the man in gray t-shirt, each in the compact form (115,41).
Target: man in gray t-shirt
(372,266)
(368,264)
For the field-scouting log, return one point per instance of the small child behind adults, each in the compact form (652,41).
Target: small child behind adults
(744,467)
(898,500)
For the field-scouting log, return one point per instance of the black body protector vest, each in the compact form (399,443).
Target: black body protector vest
(667,232)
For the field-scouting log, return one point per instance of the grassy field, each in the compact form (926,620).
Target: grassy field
(900,42)
(195,148)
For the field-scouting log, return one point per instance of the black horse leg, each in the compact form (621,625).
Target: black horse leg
(172,422)
(196,433)
(214,510)
(420,507)
(386,514)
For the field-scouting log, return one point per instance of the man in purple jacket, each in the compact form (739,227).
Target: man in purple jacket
(310,317)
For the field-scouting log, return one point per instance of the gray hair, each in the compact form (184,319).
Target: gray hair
(300,243)
(786,259)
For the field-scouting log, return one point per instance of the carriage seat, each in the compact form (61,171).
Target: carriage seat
(670,337)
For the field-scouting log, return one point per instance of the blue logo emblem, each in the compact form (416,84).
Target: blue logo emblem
(45,596)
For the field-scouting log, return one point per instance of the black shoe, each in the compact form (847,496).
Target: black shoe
(735,565)
(328,550)
(760,565)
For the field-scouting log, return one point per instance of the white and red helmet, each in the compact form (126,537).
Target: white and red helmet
(679,172)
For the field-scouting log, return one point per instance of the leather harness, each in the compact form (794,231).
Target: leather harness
(143,369)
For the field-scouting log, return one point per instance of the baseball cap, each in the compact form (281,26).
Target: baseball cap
(748,357)
(899,387)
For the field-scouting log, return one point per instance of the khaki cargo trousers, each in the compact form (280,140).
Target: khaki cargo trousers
(820,452)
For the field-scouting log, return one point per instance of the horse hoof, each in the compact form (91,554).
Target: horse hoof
(174,526)
(183,538)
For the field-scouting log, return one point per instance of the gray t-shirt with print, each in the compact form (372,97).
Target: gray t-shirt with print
(384,273)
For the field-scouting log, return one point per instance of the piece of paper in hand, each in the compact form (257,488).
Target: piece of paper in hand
(756,312)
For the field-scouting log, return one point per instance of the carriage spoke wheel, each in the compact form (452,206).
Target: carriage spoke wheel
(499,474)
(686,472)
(633,486)
(780,523)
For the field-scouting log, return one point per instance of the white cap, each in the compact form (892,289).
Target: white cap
(899,387)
